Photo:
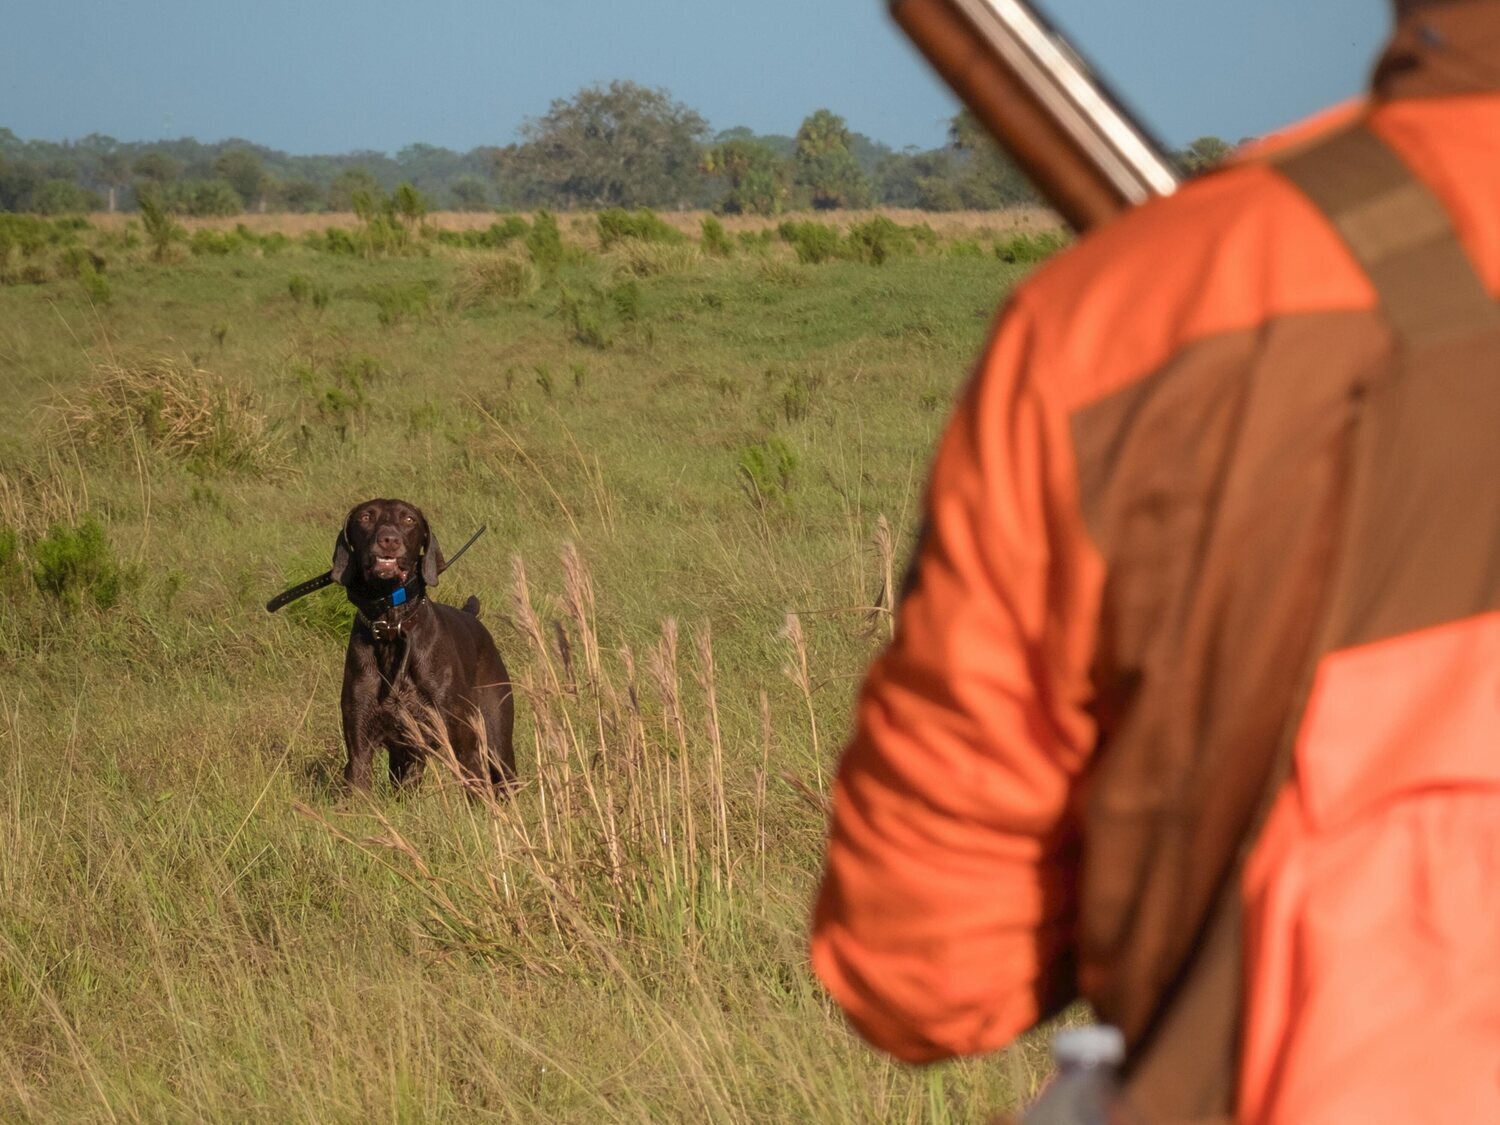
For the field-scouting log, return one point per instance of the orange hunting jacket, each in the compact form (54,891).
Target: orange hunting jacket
(1057,762)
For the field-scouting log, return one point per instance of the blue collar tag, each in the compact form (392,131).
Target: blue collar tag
(398,597)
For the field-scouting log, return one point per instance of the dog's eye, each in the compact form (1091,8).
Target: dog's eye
(409,518)
(365,517)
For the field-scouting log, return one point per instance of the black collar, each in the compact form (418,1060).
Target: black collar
(386,616)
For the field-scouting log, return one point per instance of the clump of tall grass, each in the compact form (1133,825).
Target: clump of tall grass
(654,259)
(488,277)
(878,238)
(616,225)
(544,244)
(716,241)
(813,243)
(174,408)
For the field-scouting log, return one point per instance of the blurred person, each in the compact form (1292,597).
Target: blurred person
(1193,706)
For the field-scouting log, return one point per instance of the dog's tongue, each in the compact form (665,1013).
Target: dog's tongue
(386,568)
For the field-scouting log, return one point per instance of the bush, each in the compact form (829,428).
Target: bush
(715,241)
(644,225)
(813,242)
(963,248)
(878,239)
(214,242)
(1026,247)
(25,236)
(544,243)
(71,563)
(161,231)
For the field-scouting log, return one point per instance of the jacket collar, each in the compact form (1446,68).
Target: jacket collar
(1442,48)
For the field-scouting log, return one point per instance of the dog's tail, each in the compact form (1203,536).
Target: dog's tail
(472,605)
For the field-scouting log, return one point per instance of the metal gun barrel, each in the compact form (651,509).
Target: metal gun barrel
(1034,94)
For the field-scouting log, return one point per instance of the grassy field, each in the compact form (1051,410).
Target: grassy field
(700,463)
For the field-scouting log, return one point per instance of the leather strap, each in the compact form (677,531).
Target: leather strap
(1398,232)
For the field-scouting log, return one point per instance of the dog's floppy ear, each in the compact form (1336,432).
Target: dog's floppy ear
(342,555)
(432,560)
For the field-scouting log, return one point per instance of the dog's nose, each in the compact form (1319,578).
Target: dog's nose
(388,541)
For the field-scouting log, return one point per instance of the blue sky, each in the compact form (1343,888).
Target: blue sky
(335,75)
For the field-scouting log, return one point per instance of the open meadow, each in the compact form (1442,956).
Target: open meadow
(700,450)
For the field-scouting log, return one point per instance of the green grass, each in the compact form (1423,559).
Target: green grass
(197,925)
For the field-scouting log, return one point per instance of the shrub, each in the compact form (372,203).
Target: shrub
(813,242)
(963,248)
(1026,247)
(644,225)
(161,231)
(70,563)
(506,230)
(715,241)
(878,239)
(299,287)
(217,243)
(544,243)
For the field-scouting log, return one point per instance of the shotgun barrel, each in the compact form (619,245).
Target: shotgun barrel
(1037,97)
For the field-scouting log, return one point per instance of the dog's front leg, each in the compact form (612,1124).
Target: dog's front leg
(359,703)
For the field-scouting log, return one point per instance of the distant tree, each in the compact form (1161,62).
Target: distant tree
(347,184)
(156,168)
(620,145)
(926,180)
(243,171)
(469,194)
(62,197)
(1203,154)
(825,164)
(756,176)
(18,180)
(113,171)
(213,197)
(986,178)
(299,194)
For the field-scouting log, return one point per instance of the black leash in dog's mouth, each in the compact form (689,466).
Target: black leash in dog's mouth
(312,585)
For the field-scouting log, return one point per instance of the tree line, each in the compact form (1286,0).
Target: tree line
(614,145)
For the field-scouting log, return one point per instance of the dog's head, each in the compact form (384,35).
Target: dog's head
(382,543)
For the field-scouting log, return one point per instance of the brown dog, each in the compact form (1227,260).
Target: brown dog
(407,652)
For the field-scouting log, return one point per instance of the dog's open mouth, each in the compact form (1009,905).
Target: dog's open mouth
(388,566)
